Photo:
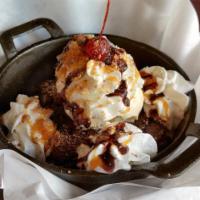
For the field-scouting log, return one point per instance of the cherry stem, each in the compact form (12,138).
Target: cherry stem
(105,18)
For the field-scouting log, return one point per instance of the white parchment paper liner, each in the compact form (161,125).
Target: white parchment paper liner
(169,25)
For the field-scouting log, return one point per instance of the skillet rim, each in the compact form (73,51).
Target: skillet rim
(61,169)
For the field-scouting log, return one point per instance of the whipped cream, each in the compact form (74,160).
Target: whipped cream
(29,125)
(138,148)
(93,91)
(166,92)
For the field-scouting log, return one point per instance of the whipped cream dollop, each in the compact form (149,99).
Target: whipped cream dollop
(165,94)
(29,125)
(117,149)
(104,92)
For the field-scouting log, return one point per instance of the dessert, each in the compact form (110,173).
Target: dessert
(29,125)
(118,149)
(105,151)
(104,85)
(165,95)
(99,113)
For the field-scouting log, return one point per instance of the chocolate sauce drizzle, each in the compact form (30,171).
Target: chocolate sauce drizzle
(78,114)
(150,81)
(122,92)
(108,140)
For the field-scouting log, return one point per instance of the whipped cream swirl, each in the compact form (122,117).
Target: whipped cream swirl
(165,91)
(104,92)
(29,125)
(129,147)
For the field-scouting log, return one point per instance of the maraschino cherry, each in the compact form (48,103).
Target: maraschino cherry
(98,48)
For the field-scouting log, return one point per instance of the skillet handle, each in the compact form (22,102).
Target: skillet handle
(3,140)
(181,162)
(2,145)
(6,37)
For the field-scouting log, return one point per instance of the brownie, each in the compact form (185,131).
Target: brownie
(48,94)
(61,148)
(150,125)
(63,145)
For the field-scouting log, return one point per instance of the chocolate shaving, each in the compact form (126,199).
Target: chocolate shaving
(120,126)
(121,65)
(108,59)
(118,51)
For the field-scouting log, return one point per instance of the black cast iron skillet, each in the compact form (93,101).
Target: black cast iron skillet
(25,70)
